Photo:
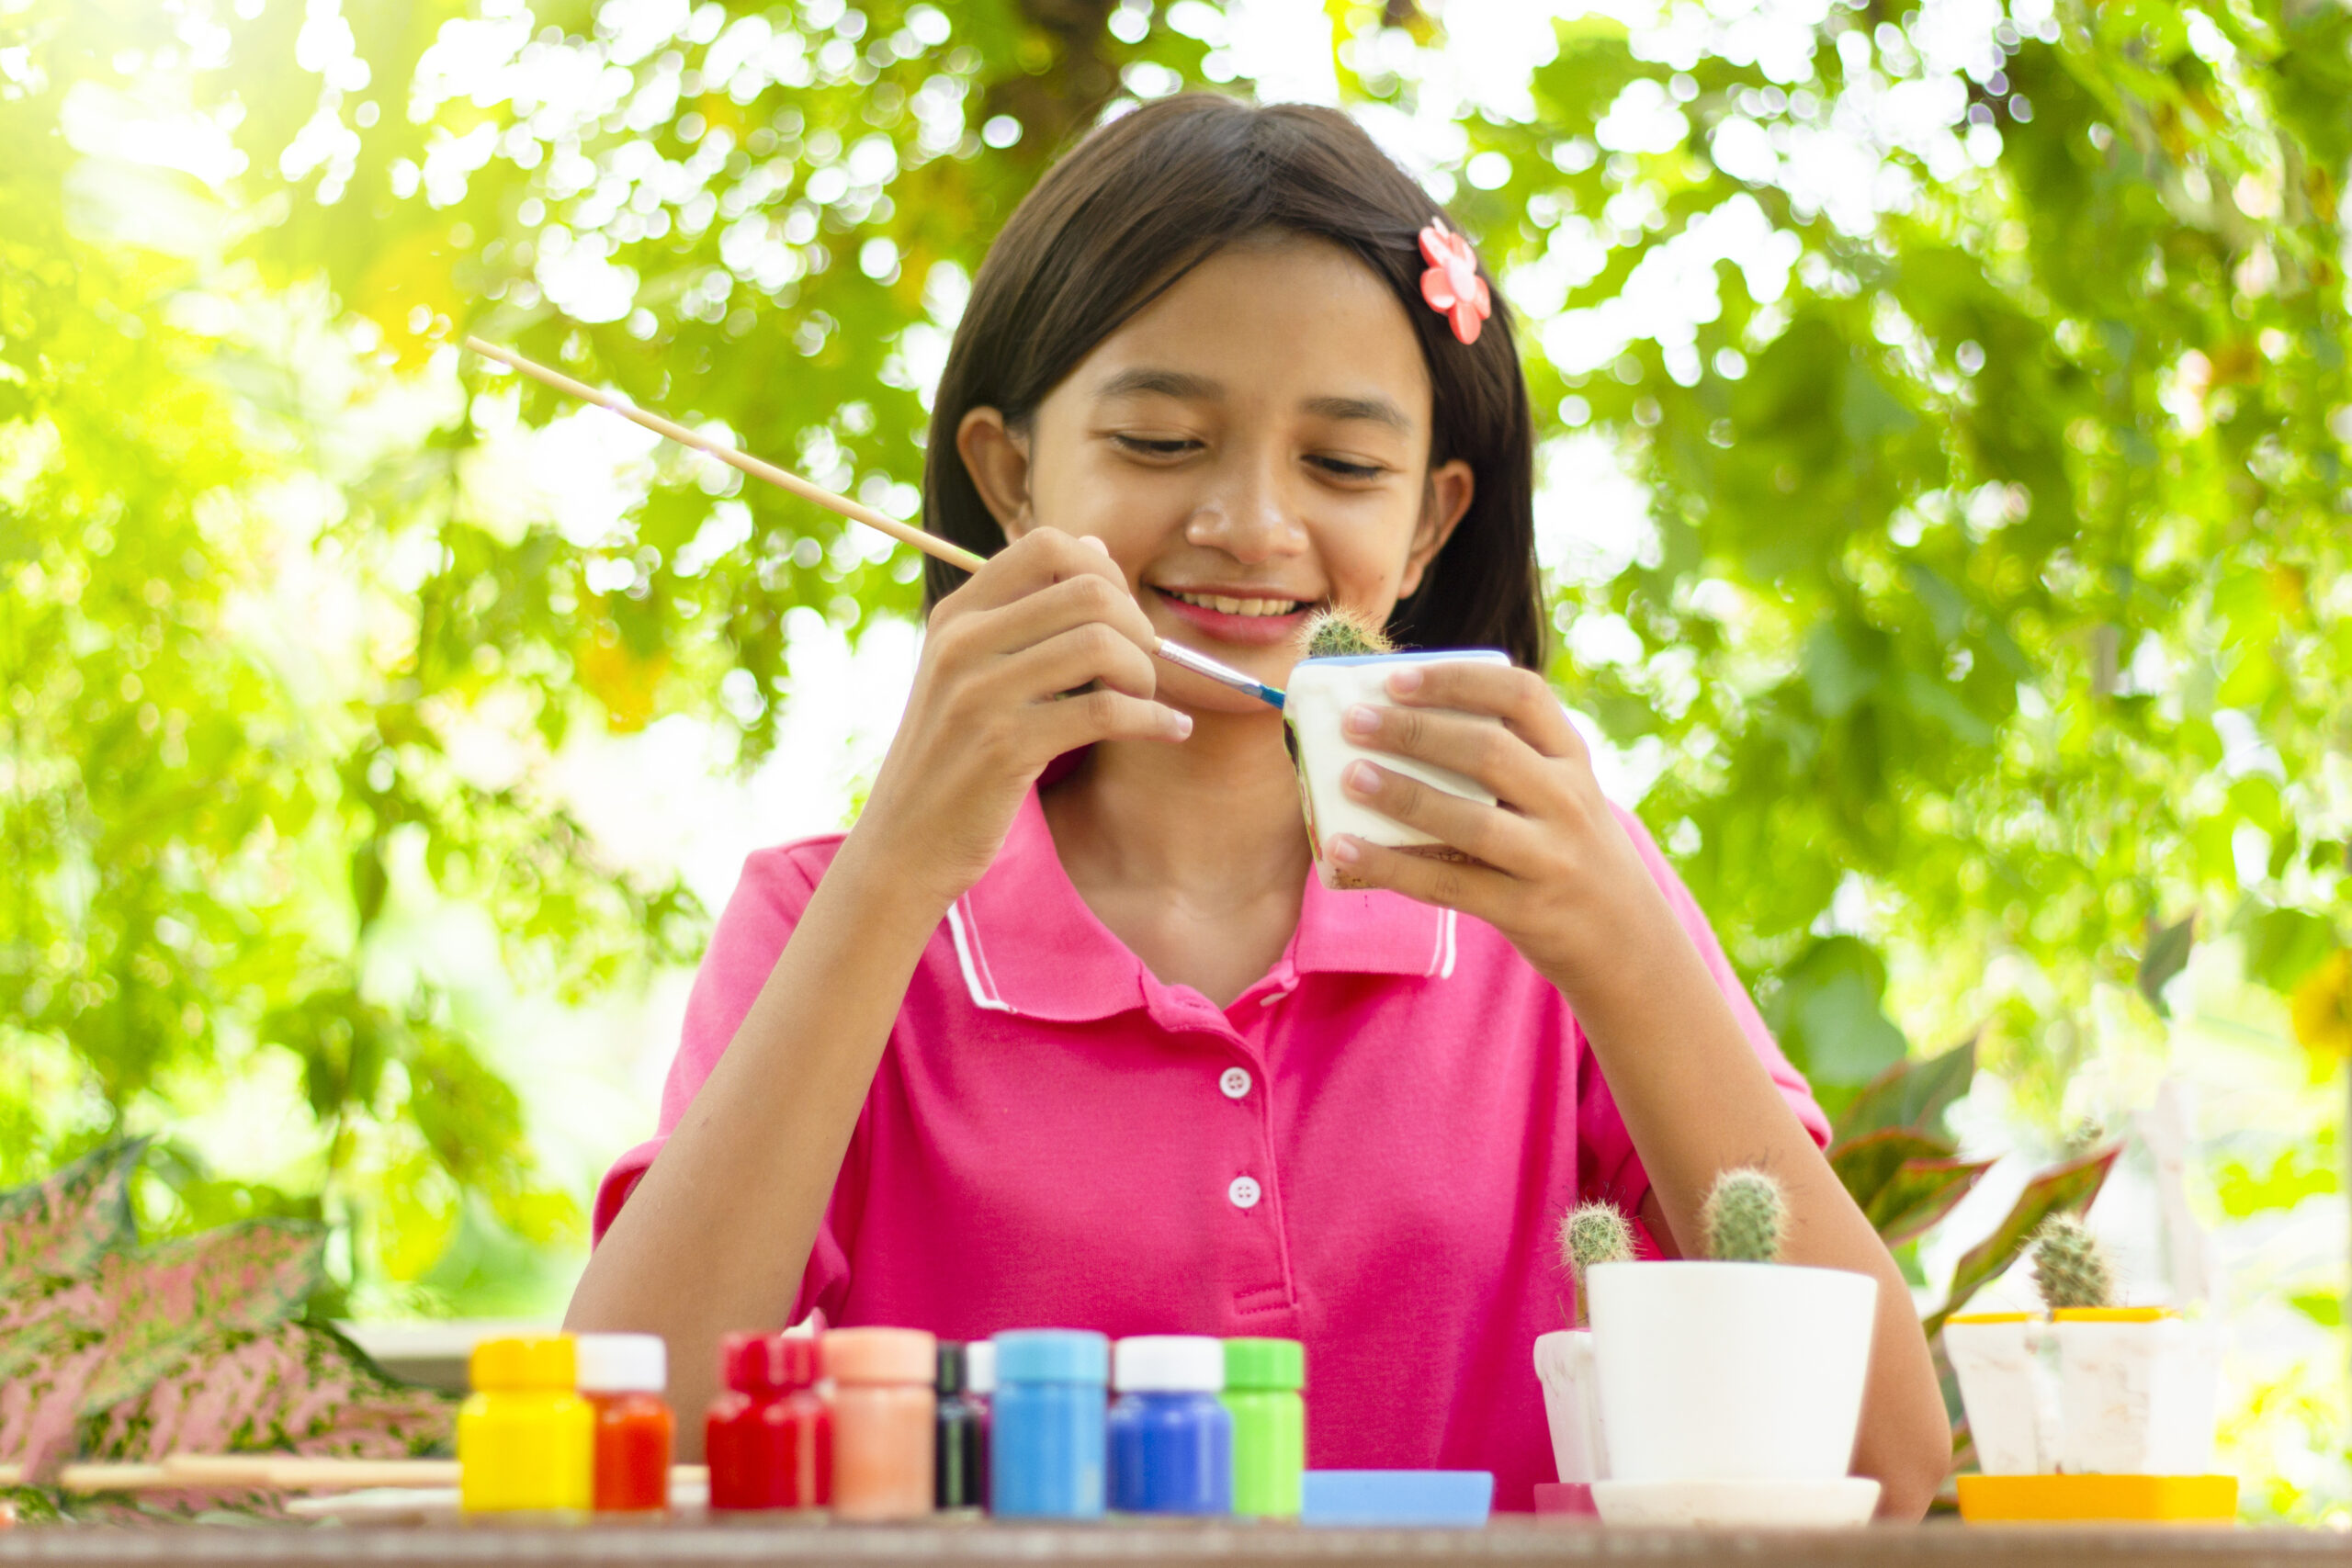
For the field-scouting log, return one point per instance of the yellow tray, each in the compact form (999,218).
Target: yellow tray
(1994,1499)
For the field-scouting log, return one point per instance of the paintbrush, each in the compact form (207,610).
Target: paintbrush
(929,544)
(270,1471)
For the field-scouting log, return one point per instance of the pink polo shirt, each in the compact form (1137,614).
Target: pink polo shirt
(1369,1150)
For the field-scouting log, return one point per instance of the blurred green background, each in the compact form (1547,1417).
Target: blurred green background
(1946,419)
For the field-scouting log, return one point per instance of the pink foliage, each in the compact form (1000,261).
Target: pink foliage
(64,1225)
(246,1276)
(292,1387)
(111,1351)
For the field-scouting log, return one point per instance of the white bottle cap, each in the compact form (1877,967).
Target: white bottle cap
(1168,1363)
(979,1365)
(623,1363)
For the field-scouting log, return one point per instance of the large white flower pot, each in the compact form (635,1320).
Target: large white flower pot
(1318,696)
(1571,1404)
(2137,1393)
(1730,1371)
(1996,1357)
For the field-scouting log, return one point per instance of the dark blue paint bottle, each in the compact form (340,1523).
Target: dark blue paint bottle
(1046,1425)
(1171,1436)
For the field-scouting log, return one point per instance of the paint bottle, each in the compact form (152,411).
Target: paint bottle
(526,1438)
(622,1377)
(1171,1438)
(1046,1425)
(769,1438)
(979,1372)
(1262,1379)
(884,1418)
(962,1452)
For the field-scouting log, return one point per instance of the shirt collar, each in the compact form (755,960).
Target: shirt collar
(1027,944)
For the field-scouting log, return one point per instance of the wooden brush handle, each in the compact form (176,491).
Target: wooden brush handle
(929,544)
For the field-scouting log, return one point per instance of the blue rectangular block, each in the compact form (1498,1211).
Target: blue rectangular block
(1397,1497)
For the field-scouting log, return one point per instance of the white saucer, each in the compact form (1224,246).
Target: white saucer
(1718,1504)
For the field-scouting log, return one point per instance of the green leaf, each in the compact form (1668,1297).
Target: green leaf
(2295,1175)
(1865,1164)
(2062,1189)
(1839,674)
(1827,1018)
(1919,1194)
(1947,610)
(2284,945)
(2167,955)
(2327,1311)
(1913,1094)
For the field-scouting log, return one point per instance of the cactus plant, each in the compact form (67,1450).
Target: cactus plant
(1743,1217)
(2070,1267)
(1594,1233)
(1337,631)
(1590,1234)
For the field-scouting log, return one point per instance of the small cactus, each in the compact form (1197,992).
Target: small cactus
(1594,1233)
(2070,1267)
(1336,631)
(1743,1217)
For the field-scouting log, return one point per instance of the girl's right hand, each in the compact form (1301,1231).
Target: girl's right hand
(1045,616)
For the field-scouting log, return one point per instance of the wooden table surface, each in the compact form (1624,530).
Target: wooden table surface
(1508,1544)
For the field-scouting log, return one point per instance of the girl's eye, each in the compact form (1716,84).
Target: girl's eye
(1341,467)
(1157,445)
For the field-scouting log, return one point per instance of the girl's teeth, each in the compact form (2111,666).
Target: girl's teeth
(1240,606)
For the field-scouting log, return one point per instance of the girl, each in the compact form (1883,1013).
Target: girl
(1065,1031)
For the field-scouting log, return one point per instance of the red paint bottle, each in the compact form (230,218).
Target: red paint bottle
(769,1440)
(622,1377)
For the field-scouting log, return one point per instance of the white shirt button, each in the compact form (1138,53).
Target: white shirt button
(1235,1082)
(1244,1192)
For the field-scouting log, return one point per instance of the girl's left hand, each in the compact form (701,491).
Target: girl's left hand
(1561,879)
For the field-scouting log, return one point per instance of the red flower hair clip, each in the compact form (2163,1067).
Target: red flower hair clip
(1451,284)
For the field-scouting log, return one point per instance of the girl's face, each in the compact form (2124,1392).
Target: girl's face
(1251,444)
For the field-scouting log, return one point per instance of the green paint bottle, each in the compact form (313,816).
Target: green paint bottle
(1262,1382)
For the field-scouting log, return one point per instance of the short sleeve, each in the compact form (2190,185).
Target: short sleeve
(769,897)
(1607,1166)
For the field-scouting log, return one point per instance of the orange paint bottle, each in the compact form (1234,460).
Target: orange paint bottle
(884,1421)
(622,1377)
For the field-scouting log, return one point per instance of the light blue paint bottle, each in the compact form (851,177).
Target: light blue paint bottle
(1046,1428)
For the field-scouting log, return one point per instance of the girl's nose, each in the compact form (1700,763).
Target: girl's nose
(1249,516)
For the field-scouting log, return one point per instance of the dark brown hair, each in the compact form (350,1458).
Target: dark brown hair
(1150,196)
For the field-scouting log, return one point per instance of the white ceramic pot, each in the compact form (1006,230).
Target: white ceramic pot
(2137,1393)
(1730,1371)
(1571,1404)
(1996,1357)
(1319,693)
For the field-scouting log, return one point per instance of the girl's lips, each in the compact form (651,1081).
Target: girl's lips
(1257,631)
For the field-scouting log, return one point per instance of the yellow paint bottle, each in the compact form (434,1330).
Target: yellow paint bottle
(527,1441)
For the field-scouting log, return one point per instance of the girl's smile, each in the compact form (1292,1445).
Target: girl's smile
(1246,615)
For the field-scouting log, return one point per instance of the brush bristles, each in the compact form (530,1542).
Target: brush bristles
(1337,631)
(2070,1267)
(1594,1233)
(1743,1217)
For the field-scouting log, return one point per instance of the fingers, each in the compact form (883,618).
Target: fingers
(1518,698)
(1499,838)
(1087,652)
(1475,748)
(1450,885)
(1042,559)
(1051,609)
(1086,717)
